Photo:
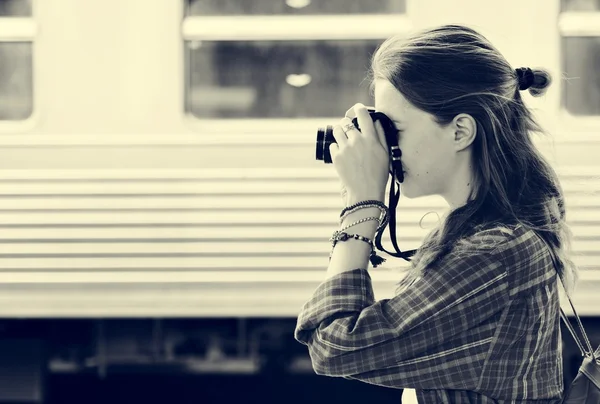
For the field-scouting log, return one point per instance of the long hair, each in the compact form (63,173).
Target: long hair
(453,69)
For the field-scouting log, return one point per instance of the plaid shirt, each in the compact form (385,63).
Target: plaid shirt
(478,329)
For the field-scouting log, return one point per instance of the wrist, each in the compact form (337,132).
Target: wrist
(353,200)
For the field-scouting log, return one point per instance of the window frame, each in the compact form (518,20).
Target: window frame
(21,29)
(284,28)
(577,24)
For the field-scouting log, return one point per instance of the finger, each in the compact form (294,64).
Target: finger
(348,127)
(340,136)
(333,151)
(364,121)
(350,113)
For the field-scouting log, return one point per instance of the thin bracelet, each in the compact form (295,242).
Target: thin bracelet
(362,203)
(357,208)
(362,221)
(383,220)
(384,217)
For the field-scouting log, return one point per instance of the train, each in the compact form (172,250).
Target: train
(157,166)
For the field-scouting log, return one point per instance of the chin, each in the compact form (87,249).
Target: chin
(404,191)
(409,192)
(405,194)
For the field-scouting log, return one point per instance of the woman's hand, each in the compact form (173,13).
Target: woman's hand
(360,158)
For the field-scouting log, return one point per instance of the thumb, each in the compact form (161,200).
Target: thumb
(334,149)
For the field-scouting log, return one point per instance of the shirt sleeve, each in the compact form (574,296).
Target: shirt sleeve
(434,334)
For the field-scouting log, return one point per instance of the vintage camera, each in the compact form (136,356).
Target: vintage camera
(325,138)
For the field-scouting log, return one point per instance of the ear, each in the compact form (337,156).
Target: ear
(465,130)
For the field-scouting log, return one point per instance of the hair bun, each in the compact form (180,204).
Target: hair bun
(526,77)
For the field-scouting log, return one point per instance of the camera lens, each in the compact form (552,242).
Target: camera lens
(324,139)
(320,138)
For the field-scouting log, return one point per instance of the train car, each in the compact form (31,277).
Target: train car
(157,168)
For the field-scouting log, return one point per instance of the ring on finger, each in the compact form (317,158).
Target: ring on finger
(349,126)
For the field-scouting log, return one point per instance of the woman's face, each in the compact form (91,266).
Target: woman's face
(428,155)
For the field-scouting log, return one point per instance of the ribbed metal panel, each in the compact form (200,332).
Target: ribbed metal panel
(199,242)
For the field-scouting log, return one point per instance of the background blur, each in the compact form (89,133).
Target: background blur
(162,214)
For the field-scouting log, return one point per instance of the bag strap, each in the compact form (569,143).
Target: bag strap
(564,316)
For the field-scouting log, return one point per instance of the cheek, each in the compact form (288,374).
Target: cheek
(423,157)
(413,150)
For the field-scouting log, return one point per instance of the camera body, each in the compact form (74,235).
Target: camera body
(325,138)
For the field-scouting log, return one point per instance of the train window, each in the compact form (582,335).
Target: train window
(294,7)
(580,5)
(16,65)
(282,59)
(581,56)
(15,8)
(581,62)
(277,79)
(16,93)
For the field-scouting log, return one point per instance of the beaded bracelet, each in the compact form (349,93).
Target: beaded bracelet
(366,219)
(343,236)
(340,235)
(383,221)
(379,204)
(365,204)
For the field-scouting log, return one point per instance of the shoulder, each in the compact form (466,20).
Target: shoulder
(502,240)
(496,241)
(521,252)
(513,253)
(516,245)
(481,252)
(501,248)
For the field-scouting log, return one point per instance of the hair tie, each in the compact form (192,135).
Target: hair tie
(526,76)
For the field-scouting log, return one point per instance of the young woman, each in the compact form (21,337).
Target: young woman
(477,317)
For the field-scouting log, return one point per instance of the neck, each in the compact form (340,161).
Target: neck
(460,186)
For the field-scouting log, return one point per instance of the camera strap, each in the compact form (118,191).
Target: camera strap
(397,172)
(392,204)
